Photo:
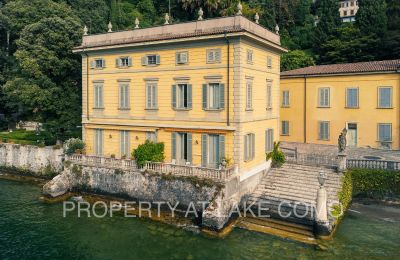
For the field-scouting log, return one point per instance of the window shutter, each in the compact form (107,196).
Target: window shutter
(173,96)
(184,57)
(148,96)
(155,96)
(129,62)
(117,62)
(178,57)
(92,64)
(173,146)
(205,87)
(221,146)
(144,60)
(245,148)
(101,96)
(104,63)
(158,59)
(189,95)
(221,95)
(126,96)
(189,148)
(121,96)
(204,152)
(217,55)
(253,146)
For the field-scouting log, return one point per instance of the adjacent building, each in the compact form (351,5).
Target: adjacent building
(318,102)
(348,10)
(208,89)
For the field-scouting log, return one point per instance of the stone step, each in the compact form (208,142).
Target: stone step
(305,174)
(300,166)
(297,186)
(273,204)
(285,196)
(300,181)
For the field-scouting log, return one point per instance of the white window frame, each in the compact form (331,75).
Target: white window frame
(285,98)
(283,128)
(124,143)
(249,56)
(322,93)
(151,95)
(322,135)
(179,55)
(379,133)
(124,95)
(380,105)
(348,105)
(124,62)
(249,95)
(98,97)
(182,90)
(213,55)
(213,97)
(269,95)
(102,64)
(249,147)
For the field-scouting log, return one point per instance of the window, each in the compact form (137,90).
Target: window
(285,128)
(269,62)
(213,96)
(151,60)
(285,98)
(269,95)
(123,62)
(323,130)
(352,12)
(182,147)
(182,96)
(323,97)
(182,57)
(98,96)
(249,95)
(345,13)
(385,97)
(249,56)
(249,147)
(269,140)
(352,3)
(98,142)
(352,98)
(98,64)
(151,136)
(385,132)
(213,56)
(212,150)
(124,96)
(124,141)
(151,95)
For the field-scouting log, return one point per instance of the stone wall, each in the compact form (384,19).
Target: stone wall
(39,161)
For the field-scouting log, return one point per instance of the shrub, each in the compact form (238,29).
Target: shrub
(375,183)
(277,156)
(72,145)
(346,193)
(149,151)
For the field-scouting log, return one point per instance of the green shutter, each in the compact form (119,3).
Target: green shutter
(204,144)
(144,60)
(222,146)
(117,62)
(189,95)
(158,59)
(205,96)
(173,146)
(173,96)
(92,64)
(221,95)
(129,62)
(104,63)
(189,148)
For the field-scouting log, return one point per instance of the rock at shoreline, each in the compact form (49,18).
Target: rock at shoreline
(58,186)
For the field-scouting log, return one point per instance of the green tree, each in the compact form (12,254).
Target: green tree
(371,17)
(296,59)
(94,13)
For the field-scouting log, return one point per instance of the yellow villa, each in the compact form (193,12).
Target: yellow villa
(318,102)
(208,89)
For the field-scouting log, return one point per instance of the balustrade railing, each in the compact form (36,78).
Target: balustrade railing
(102,161)
(372,164)
(293,156)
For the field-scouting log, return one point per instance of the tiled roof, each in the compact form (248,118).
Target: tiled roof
(347,68)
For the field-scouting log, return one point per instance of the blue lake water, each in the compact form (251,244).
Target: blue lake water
(31,229)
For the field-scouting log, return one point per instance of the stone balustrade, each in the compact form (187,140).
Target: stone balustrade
(372,164)
(102,161)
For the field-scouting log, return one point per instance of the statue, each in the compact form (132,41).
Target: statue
(342,141)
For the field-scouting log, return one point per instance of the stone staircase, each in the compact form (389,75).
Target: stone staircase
(291,188)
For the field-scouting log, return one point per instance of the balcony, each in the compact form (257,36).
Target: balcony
(218,175)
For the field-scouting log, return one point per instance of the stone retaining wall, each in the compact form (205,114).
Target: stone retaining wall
(39,161)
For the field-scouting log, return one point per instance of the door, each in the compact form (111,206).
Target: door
(182,148)
(213,151)
(352,134)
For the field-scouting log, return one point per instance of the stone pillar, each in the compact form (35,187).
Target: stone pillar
(322,227)
(341,162)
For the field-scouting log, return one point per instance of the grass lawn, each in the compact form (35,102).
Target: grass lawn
(27,137)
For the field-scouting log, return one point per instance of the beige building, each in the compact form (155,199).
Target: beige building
(348,10)
(208,89)
(319,101)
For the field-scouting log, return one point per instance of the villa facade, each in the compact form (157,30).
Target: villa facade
(318,102)
(209,90)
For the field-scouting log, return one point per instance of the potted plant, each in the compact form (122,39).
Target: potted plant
(277,156)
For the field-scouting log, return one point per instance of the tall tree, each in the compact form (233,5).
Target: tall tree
(296,59)
(371,17)
(94,13)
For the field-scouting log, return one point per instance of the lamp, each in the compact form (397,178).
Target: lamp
(322,178)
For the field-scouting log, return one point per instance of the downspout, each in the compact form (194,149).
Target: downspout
(305,109)
(228,81)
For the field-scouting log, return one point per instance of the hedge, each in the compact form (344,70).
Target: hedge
(375,183)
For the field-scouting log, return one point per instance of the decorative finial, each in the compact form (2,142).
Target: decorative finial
(109,26)
(256,17)
(200,13)
(85,30)
(277,29)
(240,7)
(137,23)
(166,18)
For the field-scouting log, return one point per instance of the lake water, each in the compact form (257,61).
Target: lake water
(32,229)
